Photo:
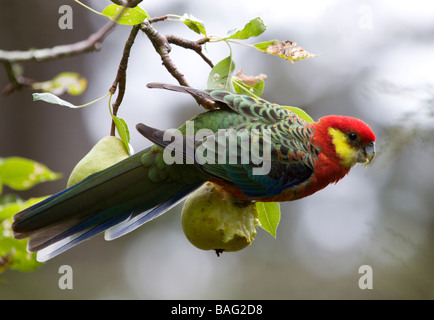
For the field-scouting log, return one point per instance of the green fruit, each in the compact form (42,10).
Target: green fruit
(108,151)
(213,220)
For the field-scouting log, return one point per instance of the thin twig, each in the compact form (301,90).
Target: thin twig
(120,2)
(193,45)
(92,43)
(157,19)
(127,3)
(162,47)
(16,80)
(9,58)
(121,76)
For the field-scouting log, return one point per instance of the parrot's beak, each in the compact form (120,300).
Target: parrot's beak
(369,153)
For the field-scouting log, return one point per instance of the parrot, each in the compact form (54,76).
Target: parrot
(304,158)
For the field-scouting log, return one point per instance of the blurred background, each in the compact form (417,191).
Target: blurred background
(376,62)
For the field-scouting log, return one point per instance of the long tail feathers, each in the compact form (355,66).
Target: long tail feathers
(136,221)
(111,200)
(75,238)
(113,229)
(116,200)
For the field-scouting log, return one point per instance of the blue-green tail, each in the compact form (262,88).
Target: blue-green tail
(116,200)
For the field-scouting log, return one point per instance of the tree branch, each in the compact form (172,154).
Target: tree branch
(9,58)
(92,43)
(160,42)
(121,76)
(162,47)
(192,45)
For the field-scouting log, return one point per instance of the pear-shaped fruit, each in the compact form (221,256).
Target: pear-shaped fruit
(105,153)
(213,220)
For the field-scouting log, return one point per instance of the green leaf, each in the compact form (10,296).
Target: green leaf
(300,112)
(70,82)
(288,50)
(193,23)
(253,28)
(22,174)
(131,16)
(13,253)
(249,85)
(23,260)
(220,76)
(51,98)
(122,128)
(8,198)
(255,91)
(7,210)
(262,46)
(269,216)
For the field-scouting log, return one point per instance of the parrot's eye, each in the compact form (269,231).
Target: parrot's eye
(352,136)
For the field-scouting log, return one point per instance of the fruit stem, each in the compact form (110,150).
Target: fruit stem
(218,252)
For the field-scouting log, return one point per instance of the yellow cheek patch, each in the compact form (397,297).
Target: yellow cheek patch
(344,151)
